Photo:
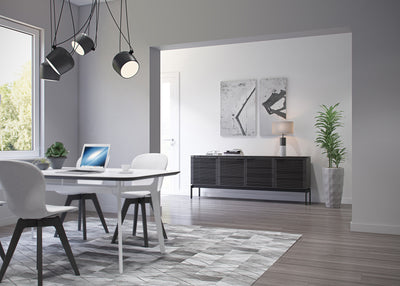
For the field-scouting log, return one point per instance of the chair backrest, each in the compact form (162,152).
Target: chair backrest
(24,187)
(155,161)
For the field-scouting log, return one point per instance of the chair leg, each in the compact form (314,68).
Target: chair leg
(64,240)
(80,214)
(99,211)
(142,203)
(39,254)
(123,214)
(135,217)
(2,254)
(144,222)
(11,247)
(83,202)
(162,224)
(68,202)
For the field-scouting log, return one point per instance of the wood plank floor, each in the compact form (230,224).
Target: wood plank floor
(327,254)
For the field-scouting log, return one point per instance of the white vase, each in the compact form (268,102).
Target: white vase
(333,186)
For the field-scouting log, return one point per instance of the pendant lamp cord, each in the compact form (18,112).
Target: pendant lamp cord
(58,24)
(120,24)
(97,22)
(95,8)
(73,25)
(52,10)
(127,26)
(119,27)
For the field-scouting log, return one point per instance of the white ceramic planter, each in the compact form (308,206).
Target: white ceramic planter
(333,186)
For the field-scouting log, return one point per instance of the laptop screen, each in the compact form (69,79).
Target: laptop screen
(94,156)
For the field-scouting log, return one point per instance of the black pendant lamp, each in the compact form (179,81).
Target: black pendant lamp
(124,63)
(83,44)
(60,60)
(48,73)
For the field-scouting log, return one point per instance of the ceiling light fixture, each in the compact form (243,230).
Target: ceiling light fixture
(124,63)
(48,73)
(61,61)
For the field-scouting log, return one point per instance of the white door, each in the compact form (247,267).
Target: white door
(170,127)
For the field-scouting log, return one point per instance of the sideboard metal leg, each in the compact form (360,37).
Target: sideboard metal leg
(191,192)
(199,192)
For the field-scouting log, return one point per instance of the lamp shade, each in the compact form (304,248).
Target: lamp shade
(83,44)
(282,127)
(47,72)
(125,64)
(60,60)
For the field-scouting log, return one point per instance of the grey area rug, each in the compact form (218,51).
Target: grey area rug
(195,255)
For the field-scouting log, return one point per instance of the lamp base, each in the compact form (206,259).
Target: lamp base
(282,151)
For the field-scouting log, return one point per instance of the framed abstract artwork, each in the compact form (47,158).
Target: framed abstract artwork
(238,108)
(272,107)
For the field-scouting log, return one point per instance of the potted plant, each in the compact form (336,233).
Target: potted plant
(327,121)
(42,163)
(57,154)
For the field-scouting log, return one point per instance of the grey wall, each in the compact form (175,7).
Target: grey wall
(60,98)
(117,111)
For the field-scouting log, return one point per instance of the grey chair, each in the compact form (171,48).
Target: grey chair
(24,187)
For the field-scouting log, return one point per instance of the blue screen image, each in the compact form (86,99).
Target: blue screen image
(94,156)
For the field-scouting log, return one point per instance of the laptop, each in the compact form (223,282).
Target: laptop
(94,158)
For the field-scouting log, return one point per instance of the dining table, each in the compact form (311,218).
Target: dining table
(114,181)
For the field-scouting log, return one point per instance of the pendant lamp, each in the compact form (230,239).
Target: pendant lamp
(83,44)
(48,73)
(60,60)
(125,64)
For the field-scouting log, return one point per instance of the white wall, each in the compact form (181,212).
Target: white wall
(318,71)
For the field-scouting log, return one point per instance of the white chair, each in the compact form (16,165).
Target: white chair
(139,192)
(82,194)
(2,254)
(24,187)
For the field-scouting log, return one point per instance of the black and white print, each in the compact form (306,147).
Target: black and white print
(272,103)
(238,108)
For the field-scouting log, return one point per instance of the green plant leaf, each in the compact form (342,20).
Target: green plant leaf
(327,121)
(57,150)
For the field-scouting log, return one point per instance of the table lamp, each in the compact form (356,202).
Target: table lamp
(283,128)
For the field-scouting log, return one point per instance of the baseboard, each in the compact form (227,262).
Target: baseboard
(347,201)
(375,228)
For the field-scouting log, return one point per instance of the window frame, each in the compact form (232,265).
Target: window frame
(37,90)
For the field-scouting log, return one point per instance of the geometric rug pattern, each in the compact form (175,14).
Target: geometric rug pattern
(195,255)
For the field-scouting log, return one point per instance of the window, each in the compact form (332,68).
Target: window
(20,99)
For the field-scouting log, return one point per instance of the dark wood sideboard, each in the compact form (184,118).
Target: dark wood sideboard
(264,173)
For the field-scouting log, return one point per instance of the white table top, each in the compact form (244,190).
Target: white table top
(111,174)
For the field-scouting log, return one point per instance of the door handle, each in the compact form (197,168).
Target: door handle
(172,140)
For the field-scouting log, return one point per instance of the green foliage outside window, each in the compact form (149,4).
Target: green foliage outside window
(16,113)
